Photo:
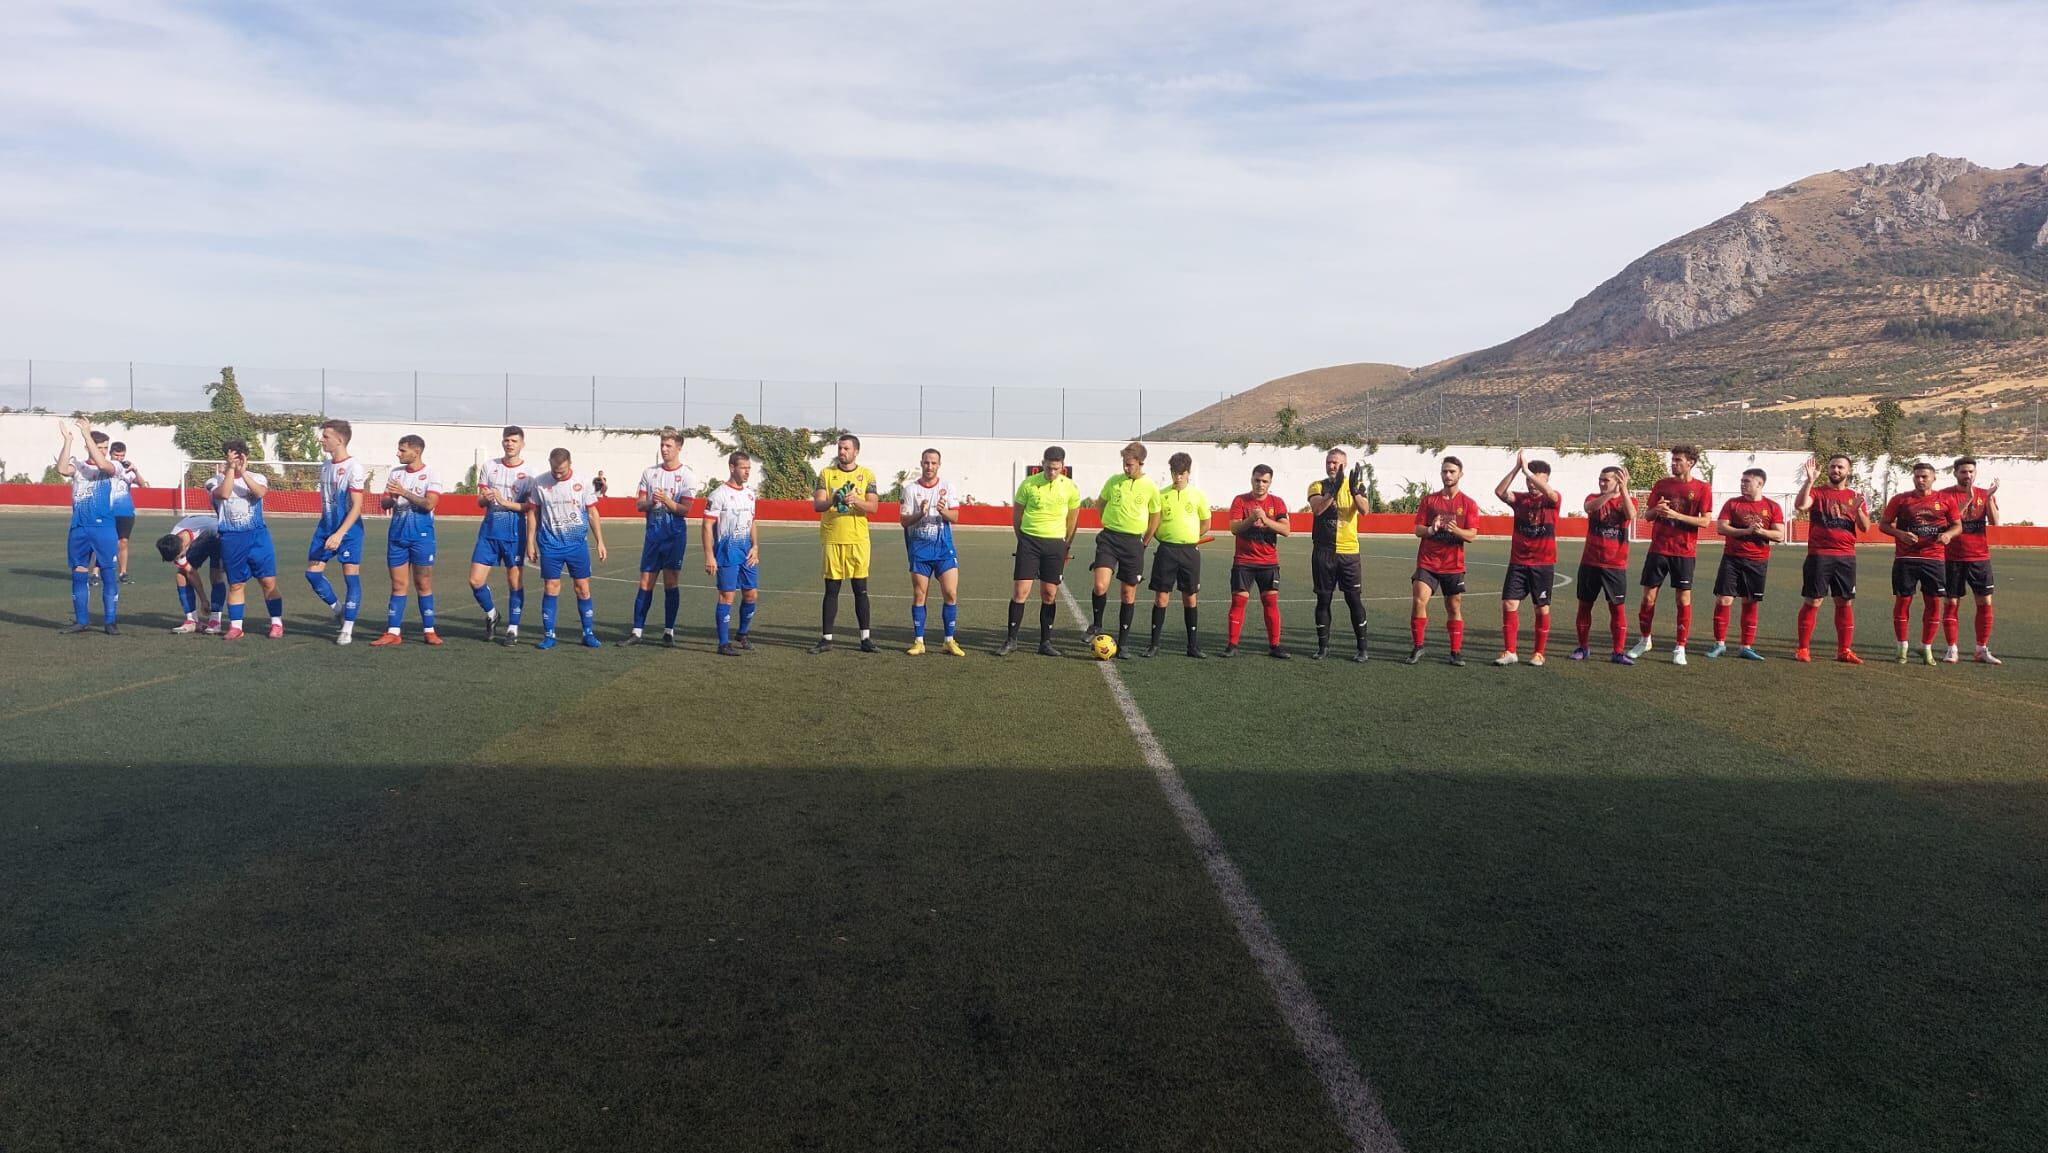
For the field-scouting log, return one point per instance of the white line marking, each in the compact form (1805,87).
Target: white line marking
(1359,1112)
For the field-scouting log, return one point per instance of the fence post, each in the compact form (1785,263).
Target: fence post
(1589,426)
(920,410)
(686,402)
(131,386)
(415,395)
(1518,420)
(991,411)
(593,400)
(32,385)
(1063,414)
(1141,415)
(835,404)
(323,394)
(761,401)
(508,398)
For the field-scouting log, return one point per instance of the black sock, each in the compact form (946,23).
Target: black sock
(1158,622)
(1124,613)
(1016,617)
(1322,620)
(1190,614)
(860,603)
(1045,615)
(1101,602)
(831,606)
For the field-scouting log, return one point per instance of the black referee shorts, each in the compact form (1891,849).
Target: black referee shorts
(1122,551)
(1177,566)
(1040,558)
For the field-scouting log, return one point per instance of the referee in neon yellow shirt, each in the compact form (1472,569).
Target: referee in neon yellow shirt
(1047,508)
(1128,522)
(1183,518)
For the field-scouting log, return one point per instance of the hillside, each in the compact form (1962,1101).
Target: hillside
(1924,281)
(1317,396)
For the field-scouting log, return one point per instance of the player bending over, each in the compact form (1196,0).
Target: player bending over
(192,542)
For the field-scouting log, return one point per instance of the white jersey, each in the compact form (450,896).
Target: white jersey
(562,509)
(731,511)
(339,478)
(94,494)
(409,521)
(930,531)
(511,482)
(198,522)
(239,508)
(679,485)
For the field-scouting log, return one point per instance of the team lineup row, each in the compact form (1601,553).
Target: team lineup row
(549,517)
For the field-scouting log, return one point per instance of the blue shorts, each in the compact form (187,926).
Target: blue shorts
(491,552)
(415,551)
(350,552)
(247,555)
(933,564)
(659,552)
(576,560)
(90,541)
(738,578)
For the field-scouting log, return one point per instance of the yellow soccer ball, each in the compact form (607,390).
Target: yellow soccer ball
(1104,647)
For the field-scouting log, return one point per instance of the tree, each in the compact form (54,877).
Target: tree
(1963,432)
(1886,417)
(1290,434)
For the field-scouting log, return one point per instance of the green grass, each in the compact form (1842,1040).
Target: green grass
(283,895)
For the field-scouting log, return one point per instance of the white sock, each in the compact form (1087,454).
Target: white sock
(348,628)
(863,634)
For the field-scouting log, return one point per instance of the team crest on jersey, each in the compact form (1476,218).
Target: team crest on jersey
(577,487)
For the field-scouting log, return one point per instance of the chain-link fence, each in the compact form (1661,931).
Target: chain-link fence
(611,402)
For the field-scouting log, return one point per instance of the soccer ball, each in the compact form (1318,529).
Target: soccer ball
(1104,647)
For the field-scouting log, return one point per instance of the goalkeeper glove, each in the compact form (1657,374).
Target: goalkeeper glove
(1358,479)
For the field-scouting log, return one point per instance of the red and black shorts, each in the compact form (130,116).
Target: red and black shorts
(1529,582)
(1450,584)
(1912,575)
(1741,577)
(1975,575)
(1264,577)
(1828,575)
(1658,568)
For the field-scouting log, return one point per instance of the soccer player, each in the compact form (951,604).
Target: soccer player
(732,549)
(1335,502)
(124,504)
(1679,508)
(1749,525)
(665,492)
(1177,563)
(1444,522)
(339,535)
(1603,564)
(1128,525)
(1921,524)
(561,520)
(95,485)
(846,497)
(411,496)
(501,490)
(245,546)
(1969,560)
(192,542)
(928,515)
(1258,520)
(1532,556)
(1836,513)
(1046,510)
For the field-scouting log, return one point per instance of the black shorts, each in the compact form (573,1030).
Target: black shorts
(1266,577)
(1741,577)
(1177,566)
(1450,584)
(1122,551)
(123,525)
(1332,571)
(1040,558)
(1658,568)
(1593,581)
(1916,575)
(1828,575)
(1972,574)
(1529,582)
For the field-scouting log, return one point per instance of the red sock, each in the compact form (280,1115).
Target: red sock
(1749,613)
(1684,623)
(1585,623)
(1418,627)
(1808,614)
(1930,618)
(1542,630)
(1510,625)
(1952,622)
(1645,616)
(1457,630)
(1237,616)
(1902,617)
(1617,622)
(1720,623)
(1983,624)
(1272,601)
(1845,625)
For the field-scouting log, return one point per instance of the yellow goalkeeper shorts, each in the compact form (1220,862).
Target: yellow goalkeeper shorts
(846,561)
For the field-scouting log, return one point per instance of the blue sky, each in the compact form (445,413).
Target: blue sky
(1181,195)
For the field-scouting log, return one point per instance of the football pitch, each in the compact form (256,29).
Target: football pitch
(283,895)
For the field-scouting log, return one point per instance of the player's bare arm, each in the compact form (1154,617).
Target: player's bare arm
(1803,502)
(597,530)
(1505,488)
(532,534)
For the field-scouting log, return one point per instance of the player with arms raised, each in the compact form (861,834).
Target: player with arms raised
(1333,560)
(561,520)
(665,492)
(1749,525)
(1921,524)
(928,515)
(845,498)
(339,535)
(1603,563)
(411,496)
(1445,521)
(1679,508)
(1258,520)
(732,550)
(1835,513)
(501,491)
(1532,556)
(1969,560)
(93,543)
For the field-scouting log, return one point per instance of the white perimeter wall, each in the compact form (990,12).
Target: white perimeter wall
(989,469)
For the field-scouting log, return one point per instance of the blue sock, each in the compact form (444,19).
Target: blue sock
(427,610)
(235,616)
(724,624)
(110,592)
(671,603)
(588,611)
(395,615)
(276,607)
(81,596)
(483,599)
(219,598)
(642,601)
(746,616)
(321,588)
(917,622)
(548,601)
(187,600)
(354,603)
(518,605)
(951,615)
